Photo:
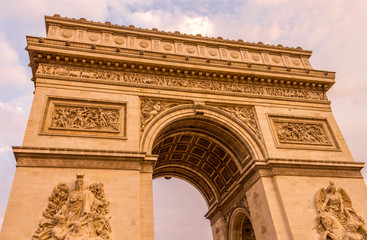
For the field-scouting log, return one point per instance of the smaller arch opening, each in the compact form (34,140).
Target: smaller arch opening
(241,227)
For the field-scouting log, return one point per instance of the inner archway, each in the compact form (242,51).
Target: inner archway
(206,153)
(202,152)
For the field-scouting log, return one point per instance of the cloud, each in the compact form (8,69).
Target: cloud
(197,25)
(13,74)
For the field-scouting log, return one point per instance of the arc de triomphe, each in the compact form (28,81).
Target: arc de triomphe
(249,125)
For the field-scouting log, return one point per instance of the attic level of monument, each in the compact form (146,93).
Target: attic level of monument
(108,27)
(135,50)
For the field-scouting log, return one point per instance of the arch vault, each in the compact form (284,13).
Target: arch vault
(249,125)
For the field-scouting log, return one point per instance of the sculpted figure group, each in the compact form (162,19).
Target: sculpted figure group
(169,81)
(77,215)
(301,133)
(85,118)
(336,219)
(151,108)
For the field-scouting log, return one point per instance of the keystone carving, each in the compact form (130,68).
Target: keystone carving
(85,118)
(246,115)
(151,108)
(295,132)
(169,81)
(336,219)
(78,214)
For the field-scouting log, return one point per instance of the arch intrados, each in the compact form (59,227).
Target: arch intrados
(237,154)
(238,130)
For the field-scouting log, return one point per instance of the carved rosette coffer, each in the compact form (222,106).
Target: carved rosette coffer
(336,219)
(245,114)
(81,213)
(292,132)
(150,108)
(89,118)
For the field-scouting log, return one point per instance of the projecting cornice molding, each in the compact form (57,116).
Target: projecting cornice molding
(83,158)
(90,44)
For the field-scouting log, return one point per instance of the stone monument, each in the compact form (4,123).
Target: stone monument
(249,125)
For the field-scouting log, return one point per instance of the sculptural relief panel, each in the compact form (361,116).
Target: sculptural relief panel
(82,213)
(245,114)
(150,108)
(178,82)
(336,219)
(84,117)
(292,132)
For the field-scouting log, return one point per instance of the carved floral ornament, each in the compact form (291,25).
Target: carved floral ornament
(79,214)
(181,82)
(336,219)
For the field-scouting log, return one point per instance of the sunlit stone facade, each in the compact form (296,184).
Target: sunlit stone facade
(249,125)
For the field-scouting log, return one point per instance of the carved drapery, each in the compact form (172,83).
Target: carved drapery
(336,219)
(78,214)
(181,82)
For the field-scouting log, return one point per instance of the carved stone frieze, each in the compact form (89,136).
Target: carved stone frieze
(81,213)
(302,132)
(291,132)
(180,82)
(85,118)
(246,114)
(151,108)
(336,219)
(69,71)
(66,116)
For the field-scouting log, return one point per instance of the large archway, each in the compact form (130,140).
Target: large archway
(205,147)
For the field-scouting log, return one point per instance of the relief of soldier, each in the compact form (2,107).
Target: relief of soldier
(85,118)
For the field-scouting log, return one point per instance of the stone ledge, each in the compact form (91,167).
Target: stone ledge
(83,158)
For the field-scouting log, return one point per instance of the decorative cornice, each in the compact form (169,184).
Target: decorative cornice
(83,158)
(274,89)
(57,20)
(81,54)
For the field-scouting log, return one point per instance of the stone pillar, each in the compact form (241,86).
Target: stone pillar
(126,179)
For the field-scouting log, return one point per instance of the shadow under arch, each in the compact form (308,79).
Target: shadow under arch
(202,145)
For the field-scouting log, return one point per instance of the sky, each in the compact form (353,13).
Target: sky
(335,30)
